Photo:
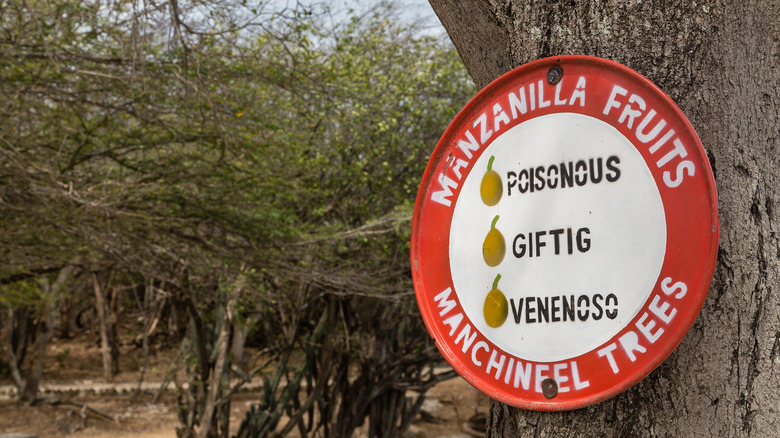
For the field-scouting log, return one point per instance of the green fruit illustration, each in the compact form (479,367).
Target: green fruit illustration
(496,307)
(491,188)
(494,246)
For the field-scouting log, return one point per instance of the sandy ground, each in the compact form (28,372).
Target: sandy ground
(449,405)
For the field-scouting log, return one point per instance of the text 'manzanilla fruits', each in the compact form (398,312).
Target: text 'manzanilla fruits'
(494,246)
(491,188)
(496,307)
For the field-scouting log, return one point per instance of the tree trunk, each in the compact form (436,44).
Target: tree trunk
(216,380)
(240,334)
(216,388)
(718,61)
(107,344)
(27,385)
(65,310)
(14,359)
(113,334)
(29,393)
(151,313)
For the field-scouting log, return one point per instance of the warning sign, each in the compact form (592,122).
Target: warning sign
(565,233)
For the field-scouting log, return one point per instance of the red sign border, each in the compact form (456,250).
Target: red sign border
(427,256)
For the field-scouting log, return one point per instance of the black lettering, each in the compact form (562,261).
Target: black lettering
(564,174)
(568,308)
(564,308)
(552,182)
(580,315)
(542,308)
(539,243)
(519,248)
(520,186)
(583,243)
(511,180)
(611,314)
(531,243)
(595,178)
(557,234)
(529,309)
(517,312)
(567,175)
(554,309)
(596,299)
(581,166)
(612,167)
(540,178)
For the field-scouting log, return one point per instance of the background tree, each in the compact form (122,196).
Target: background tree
(220,165)
(718,60)
(31,310)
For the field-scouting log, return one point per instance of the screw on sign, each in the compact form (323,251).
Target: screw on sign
(593,204)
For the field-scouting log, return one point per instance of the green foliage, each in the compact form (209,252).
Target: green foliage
(179,143)
(125,146)
(22,293)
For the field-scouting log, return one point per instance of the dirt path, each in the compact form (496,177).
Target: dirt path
(448,407)
(72,372)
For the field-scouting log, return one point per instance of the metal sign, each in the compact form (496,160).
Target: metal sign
(565,233)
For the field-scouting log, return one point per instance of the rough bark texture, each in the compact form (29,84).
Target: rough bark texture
(107,322)
(27,386)
(208,426)
(719,61)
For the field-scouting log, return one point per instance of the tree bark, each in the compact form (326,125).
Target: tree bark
(216,380)
(107,344)
(240,334)
(29,393)
(14,362)
(718,60)
(27,385)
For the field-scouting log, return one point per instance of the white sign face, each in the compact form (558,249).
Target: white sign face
(576,199)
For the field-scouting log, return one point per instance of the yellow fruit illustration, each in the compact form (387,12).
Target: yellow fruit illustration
(494,246)
(491,188)
(496,307)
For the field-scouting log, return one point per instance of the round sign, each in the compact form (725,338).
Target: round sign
(565,233)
